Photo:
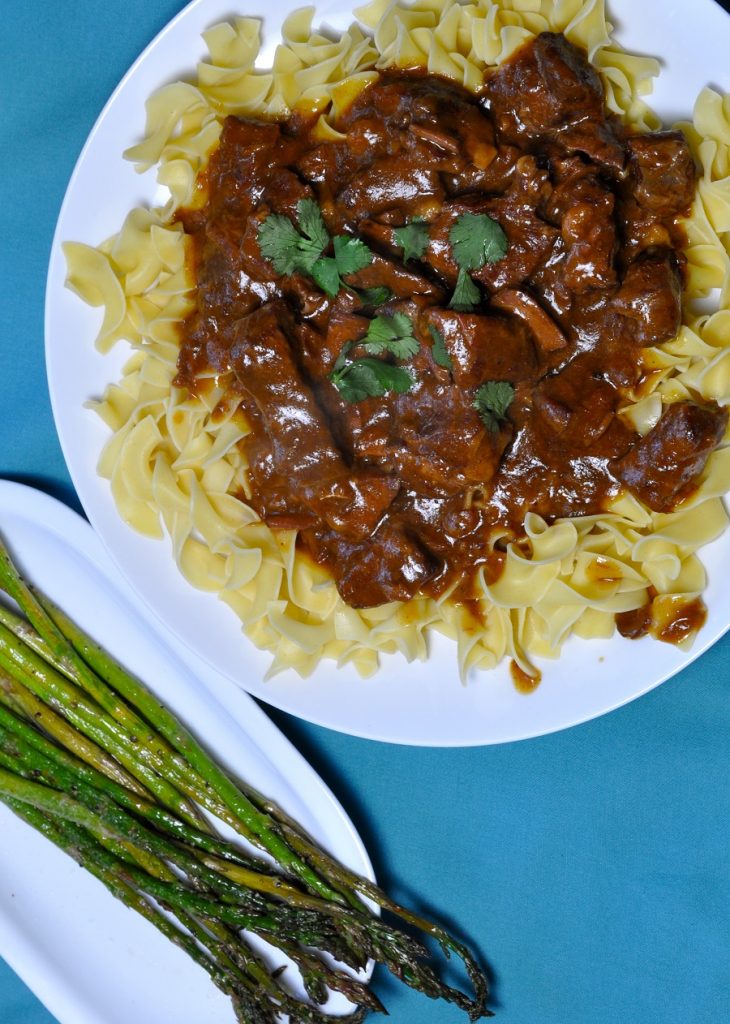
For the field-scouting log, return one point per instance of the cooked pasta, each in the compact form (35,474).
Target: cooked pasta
(175,463)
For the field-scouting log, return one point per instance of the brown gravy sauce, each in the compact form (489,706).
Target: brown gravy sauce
(674,627)
(524,682)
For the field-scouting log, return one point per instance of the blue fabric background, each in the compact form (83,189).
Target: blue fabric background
(590,868)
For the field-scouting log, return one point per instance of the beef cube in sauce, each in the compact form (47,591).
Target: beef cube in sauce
(546,332)
(548,90)
(300,453)
(650,299)
(583,207)
(664,467)
(389,566)
(659,189)
(402,281)
(405,181)
(662,173)
(530,238)
(484,347)
(432,437)
(439,255)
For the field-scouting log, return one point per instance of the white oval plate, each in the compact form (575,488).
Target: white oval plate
(69,939)
(421,703)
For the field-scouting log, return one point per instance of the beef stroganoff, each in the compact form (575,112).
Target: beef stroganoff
(415,342)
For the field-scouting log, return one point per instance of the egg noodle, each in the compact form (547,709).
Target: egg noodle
(175,462)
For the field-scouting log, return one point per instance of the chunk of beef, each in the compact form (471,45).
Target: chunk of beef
(530,238)
(406,180)
(431,438)
(664,467)
(579,410)
(548,90)
(663,173)
(583,207)
(659,189)
(494,178)
(344,327)
(439,254)
(325,163)
(404,281)
(545,331)
(439,443)
(650,299)
(245,155)
(483,347)
(300,448)
(389,566)
(310,302)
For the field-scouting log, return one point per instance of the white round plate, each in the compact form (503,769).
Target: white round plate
(422,703)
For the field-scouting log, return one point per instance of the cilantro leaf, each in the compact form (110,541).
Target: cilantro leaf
(438,350)
(492,401)
(325,273)
(370,378)
(351,254)
(311,223)
(466,293)
(374,296)
(412,239)
(391,334)
(477,239)
(279,243)
(341,360)
(291,250)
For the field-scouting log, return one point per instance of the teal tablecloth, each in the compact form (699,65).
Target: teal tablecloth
(590,868)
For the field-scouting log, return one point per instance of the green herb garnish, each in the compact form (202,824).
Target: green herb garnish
(351,254)
(374,296)
(412,239)
(476,239)
(466,293)
(370,378)
(492,401)
(289,249)
(327,276)
(391,334)
(438,350)
(292,250)
(311,223)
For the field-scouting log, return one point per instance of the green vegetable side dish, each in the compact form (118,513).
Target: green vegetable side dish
(91,759)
